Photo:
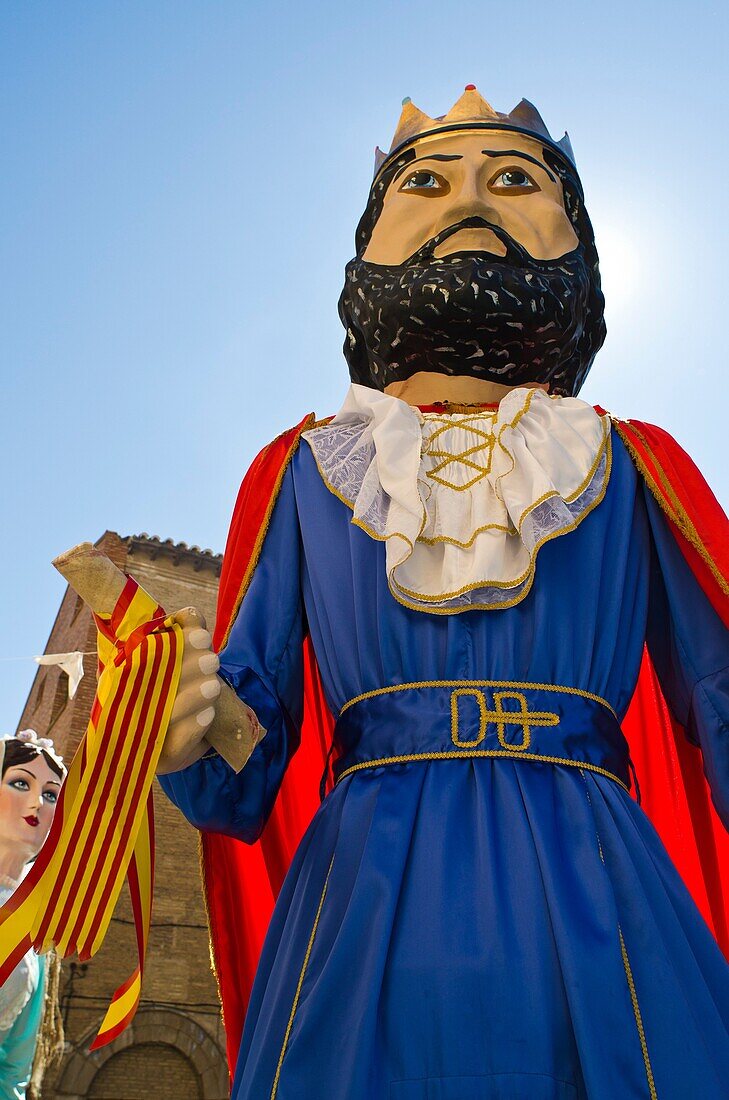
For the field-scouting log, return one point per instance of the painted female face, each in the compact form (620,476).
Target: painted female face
(28,796)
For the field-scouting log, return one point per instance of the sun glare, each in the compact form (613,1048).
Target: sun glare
(620,254)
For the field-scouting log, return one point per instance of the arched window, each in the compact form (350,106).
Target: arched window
(131,1072)
(163,1055)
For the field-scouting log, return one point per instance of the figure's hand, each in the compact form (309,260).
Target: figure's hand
(199,688)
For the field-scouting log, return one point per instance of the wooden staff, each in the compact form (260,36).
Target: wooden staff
(100,583)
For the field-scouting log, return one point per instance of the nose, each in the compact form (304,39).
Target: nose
(473,198)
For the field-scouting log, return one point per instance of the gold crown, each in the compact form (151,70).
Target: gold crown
(470,112)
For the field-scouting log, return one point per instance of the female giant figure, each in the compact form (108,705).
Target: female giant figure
(32,775)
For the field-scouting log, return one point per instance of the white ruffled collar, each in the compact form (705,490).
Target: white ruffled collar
(464,500)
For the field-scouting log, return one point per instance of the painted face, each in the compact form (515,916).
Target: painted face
(476,258)
(500,177)
(28,796)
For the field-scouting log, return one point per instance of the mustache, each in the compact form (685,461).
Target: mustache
(516,254)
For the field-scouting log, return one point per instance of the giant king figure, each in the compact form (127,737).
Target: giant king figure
(491,618)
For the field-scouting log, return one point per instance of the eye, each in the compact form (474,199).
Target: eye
(514,180)
(51,797)
(424,182)
(19,784)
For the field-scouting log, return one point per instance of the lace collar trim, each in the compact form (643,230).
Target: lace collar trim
(464,500)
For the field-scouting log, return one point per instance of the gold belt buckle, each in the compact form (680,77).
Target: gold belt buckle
(521,717)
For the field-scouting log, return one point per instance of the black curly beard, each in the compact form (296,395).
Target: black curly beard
(510,319)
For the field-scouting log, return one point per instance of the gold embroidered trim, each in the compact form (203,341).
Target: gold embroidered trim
(589,800)
(500,717)
(359,522)
(628,971)
(459,542)
(585,483)
(258,545)
(526,579)
(299,984)
(604,446)
(446,408)
(480,698)
(506,684)
(679,517)
(465,456)
(523,717)
(638,1018)
(211,945)
(467,754)
(523,583)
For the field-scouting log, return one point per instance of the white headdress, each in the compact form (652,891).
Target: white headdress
(42,744)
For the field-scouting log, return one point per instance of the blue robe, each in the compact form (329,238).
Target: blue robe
(485,927)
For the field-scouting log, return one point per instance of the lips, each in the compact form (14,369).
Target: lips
(32,820)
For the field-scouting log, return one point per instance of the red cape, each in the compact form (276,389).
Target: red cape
(242,881)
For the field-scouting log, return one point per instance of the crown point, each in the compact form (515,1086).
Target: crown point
(471,107)
(380,158)
(412,122)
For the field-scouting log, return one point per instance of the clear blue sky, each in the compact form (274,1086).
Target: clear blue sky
(180,187)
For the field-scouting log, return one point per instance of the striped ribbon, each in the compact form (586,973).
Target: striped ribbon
(103,828)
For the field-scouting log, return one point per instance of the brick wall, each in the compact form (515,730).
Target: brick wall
(128,1075)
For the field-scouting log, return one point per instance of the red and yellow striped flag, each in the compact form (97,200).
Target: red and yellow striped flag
(103,829)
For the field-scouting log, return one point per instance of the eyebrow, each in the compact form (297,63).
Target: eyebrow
(34,776)
(429,156)
(521,156)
